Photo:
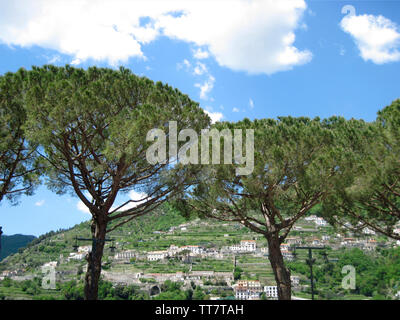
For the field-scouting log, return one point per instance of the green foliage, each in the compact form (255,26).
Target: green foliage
(94,120)
(72,291)
(19,164)
(198,294)
(369,194)
(6,282)
(237,273)
(377,274)
(295,166)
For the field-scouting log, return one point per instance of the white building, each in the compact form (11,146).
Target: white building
(293,240)
(271,291)
(288,255)
(156,255)
(76,256)
(247,290)
(368,231)
(81,253)
(320,222)
(125,255)
(311,218)
(325,238)
(285,246)
(245,246)
(85,249)
(348,242)
(173,250)
(195,250)
(50,264)
(248,245)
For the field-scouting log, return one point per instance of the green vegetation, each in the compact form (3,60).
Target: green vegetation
(20,166)
(26,289)
(369,195)
(377,274)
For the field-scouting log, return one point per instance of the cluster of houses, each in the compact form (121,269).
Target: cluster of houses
(11,273)
(172,251)
(319,222)
(191,250)
(365,244)
(252,289)
(187,277)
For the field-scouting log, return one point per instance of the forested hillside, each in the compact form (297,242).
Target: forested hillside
(11,244)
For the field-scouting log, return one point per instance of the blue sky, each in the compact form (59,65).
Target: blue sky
(237,58)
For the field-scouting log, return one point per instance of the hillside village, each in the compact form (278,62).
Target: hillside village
(225,259)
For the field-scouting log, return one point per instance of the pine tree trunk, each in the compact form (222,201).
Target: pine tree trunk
(281,273)
(94,257)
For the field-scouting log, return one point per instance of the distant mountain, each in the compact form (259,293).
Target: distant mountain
(11,244)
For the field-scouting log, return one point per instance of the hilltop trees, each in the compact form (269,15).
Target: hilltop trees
(19,164)
(295,165)
(370,194)
(91,125)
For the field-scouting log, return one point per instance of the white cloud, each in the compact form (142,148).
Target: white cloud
(251,103)
(75,62)
(184,64)
(377,37)
(235,110)
(52,59)
(252,36)
(206,87)
(215,116)
(138,197)
(39,203)
(245,35)
(201,54)
(200,69)
(82,207)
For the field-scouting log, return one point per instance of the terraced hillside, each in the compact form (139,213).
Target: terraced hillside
(22,272)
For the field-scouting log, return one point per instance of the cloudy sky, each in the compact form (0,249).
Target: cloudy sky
(237,58)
